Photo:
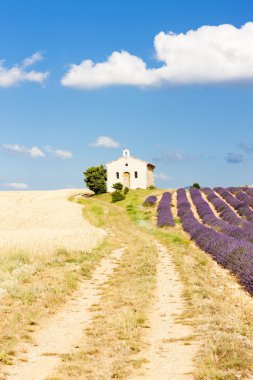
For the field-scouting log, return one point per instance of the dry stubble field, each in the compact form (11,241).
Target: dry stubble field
(46,248)
(44,221)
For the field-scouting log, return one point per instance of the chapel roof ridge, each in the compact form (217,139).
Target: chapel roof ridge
(136,158)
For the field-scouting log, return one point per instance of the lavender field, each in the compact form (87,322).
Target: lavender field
(220,222)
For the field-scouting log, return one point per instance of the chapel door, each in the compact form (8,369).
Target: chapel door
(126,181)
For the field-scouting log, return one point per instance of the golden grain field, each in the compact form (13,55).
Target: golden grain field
(44,221)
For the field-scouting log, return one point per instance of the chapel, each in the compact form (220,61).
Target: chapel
(132,172)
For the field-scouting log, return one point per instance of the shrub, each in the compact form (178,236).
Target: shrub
(126,190)
(196,185)
(152,187)
(117,186)
(95,179)
(117,196)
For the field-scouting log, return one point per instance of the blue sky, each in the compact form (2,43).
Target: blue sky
(193,122)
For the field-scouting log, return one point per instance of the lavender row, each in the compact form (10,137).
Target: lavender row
(249,191)
(206,214)
(229,198)
(243,210)
(150,200)
(164,214)
(225,211)
(245,198)
(235,255)
(233,190)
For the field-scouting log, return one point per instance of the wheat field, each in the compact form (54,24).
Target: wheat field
(43,222)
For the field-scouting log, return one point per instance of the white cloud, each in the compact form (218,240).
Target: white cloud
(19,149)
(106,142)
(63,154)
(121,68)
(162,176)
(36,57)
(18,73)
(35,152)
(210,54)
(16,185)
(59,153)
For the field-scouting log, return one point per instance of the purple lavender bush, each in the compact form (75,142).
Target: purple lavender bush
(207,215)
(164,214)
(245,198)
(243,210)
(249,191)
(227,214)
(150,201)
(234,254)
(233,190)
(229,198)
(224,210)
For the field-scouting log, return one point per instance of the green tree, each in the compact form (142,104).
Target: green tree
(197,185)
(117,186)
(95,179)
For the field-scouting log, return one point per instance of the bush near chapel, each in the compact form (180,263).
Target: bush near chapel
(117,186)
(117,196)
(95,179)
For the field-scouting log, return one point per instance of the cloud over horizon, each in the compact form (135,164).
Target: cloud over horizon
(35,152)
(18,73)
(246,147)
(16,185)
(208,55)
(234,158)
(19,149)
(171,157)
(59,153)
(162,176)
(105,142)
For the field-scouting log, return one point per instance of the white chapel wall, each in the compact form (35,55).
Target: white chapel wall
(134,165)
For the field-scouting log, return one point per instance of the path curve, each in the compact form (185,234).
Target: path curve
(170,345)
(64,330)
